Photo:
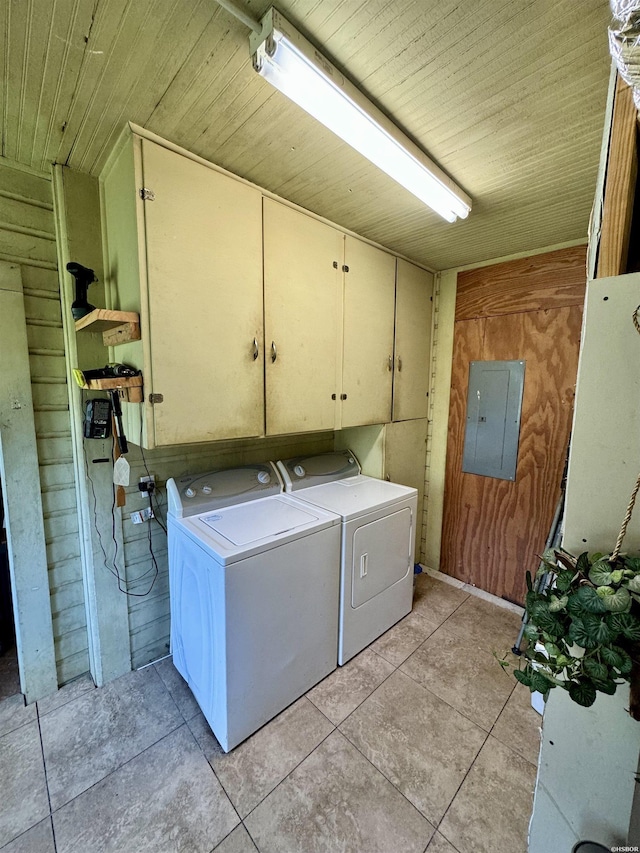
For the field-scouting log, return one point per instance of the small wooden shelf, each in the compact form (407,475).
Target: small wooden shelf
(130,387)
(117,327)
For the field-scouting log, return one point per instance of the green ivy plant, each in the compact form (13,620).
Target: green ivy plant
(583,626)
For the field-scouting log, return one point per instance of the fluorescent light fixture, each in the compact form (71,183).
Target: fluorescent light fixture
(290,63)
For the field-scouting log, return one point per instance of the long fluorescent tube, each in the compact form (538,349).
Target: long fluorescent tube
(290,63)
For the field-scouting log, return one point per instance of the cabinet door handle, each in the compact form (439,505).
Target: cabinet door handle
(390,362)
(274,351)
(256,351)
(399,364)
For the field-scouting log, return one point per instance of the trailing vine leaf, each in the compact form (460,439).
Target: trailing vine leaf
(579,634)
(626,663)
(589,600)
(582,692)
(626,624)
(618,602)
(523,677)
(600,573)
(603,633)
(563,580)
(583,564)
(616,576)
(612,656)
(632,563)
(607,686)
(539,682)
(596,671)
(556,604)
(633,584)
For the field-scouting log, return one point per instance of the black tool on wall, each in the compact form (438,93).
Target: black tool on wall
(80,306)
(97,418)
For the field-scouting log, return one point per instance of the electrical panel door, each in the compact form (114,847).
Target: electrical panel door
(494,405)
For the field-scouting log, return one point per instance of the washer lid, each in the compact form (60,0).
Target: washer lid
(237,532)
(241,525)
(356,496)
(301,472)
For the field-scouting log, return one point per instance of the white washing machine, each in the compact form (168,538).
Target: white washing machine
(254,580)
(377,544)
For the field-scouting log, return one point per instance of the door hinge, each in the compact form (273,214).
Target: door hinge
(155,398)
(147,195)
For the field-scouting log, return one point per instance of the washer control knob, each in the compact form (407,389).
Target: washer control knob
(189,492)
(299,471)
(206,490)
(264,477)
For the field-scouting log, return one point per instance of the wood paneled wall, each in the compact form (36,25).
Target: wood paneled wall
(27,237)
(530,309)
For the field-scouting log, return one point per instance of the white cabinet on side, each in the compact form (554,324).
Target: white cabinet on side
(303,319)
(414,308)
(367,361)
(184,247)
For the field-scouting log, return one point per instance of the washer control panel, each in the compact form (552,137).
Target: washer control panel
(194,494)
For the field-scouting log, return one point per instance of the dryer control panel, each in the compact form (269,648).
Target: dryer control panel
(305,471)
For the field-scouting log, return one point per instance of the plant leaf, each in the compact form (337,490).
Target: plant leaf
(582,692)
(612,656)
(600,573)
(626,664)
(539,682)
(626,624)
(596,671)
(589,600)
(564,580)
(619,602)
(523,676)
(632,563)
(583,564)
(579,635)
(556,604)
(633,584)
(608,686)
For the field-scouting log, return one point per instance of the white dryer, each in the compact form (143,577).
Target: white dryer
(377,542)
(254,578)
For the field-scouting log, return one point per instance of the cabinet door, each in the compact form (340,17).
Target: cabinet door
(414,289)
(204,266)
(369,288)
(302,261)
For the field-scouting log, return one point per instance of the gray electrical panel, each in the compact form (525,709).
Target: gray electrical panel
(494,406)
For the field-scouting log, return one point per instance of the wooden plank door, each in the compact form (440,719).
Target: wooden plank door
(494,530)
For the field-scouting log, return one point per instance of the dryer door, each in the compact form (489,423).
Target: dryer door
(381,555)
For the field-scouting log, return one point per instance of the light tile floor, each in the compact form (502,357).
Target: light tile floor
(420,743)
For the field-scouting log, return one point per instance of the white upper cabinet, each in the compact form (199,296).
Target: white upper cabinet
(303,317)
(197,282)
(369,289)
(255,317)
(414,308)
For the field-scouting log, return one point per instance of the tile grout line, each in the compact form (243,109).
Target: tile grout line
(46,779)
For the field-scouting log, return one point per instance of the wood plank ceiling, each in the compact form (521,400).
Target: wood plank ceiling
(507,97)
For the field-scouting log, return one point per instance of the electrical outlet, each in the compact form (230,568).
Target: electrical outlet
(142,515)
(150,478)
